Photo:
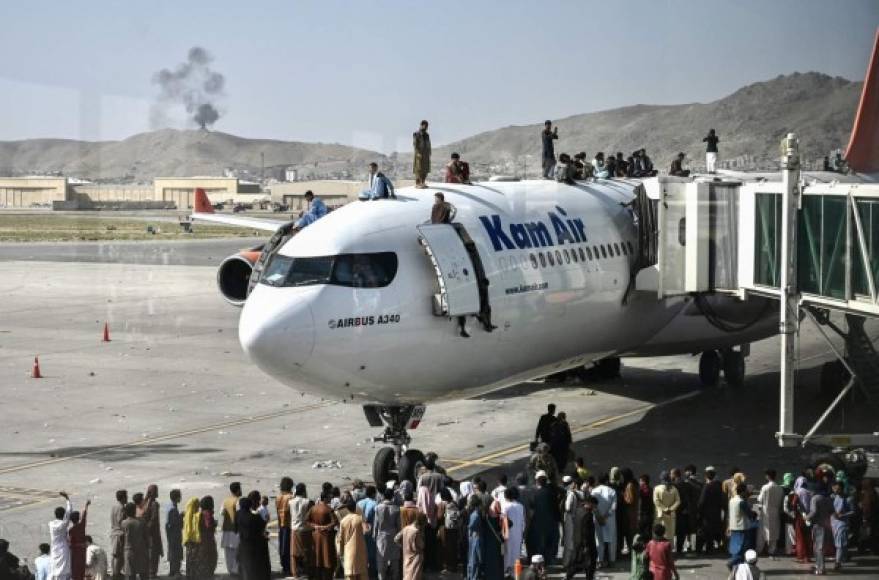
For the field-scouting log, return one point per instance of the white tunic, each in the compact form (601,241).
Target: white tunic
(771,500)
(59,548)
(607,509)
(515,514)
(95,563)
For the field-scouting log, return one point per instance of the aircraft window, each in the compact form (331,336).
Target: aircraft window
(558,257)
(542,260)
(550,258)
(623,248)
(534,261)
(589,253)
(603,251)
(616,248)
(574,254)
(583,254)
(595,251)
(353,270)
(631,248)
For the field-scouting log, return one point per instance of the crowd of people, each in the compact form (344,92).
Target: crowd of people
(555,512)
(569,169)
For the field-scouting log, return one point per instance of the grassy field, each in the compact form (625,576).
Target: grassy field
(67,228)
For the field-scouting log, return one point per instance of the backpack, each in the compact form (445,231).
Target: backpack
(453,516)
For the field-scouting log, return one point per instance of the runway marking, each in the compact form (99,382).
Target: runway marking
(167,437)
(488,460)
(12,498)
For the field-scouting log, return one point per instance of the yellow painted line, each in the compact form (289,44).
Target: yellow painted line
(487,460)
(25,506)
(166,437)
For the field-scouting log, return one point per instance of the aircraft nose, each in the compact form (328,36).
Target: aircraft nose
(276,329)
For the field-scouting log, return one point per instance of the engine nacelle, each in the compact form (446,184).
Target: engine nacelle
(233,276)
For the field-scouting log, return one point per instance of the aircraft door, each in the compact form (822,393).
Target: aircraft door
(457,278)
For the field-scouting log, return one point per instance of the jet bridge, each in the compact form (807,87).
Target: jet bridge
(814,247)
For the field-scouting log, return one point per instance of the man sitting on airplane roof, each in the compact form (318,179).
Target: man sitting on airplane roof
(457,171)
(379,186)
(316,210)
(677,166)
(564,169)
(598,168)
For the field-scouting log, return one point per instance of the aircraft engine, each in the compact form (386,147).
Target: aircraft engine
(233,275)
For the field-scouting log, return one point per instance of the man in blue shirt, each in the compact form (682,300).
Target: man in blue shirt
(366,509)
(378,185)
(316,210)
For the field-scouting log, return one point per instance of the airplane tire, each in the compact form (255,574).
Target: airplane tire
(709,368)
(734,368)
(409,464)
(383,466)
(609,368)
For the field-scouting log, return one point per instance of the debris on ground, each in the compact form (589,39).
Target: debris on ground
(329,464)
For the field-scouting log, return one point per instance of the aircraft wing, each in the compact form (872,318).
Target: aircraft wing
(204,211)
(239,221)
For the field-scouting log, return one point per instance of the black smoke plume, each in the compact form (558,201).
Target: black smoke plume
(194,85)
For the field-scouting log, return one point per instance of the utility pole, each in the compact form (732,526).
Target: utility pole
(789,292)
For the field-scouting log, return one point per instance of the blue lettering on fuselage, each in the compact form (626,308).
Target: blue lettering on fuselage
(534,234)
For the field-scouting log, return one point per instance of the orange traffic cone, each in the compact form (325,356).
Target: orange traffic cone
(35,373)
(517,569)
(106,332)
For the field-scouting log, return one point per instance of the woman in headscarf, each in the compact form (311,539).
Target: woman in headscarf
(646,510)
(493,540)
(192,537)
(207,526)
(796,506)
(627,503)
(475,537)
(667,501)
(253,551)
(448,525)
(151,512)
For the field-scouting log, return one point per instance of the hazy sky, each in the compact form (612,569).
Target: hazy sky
(365,72)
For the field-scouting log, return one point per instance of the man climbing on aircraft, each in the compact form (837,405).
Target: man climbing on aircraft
(421,155)
(316,210)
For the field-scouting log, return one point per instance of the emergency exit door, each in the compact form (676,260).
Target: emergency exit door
(456,277)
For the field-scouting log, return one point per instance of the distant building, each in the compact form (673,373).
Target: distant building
(32,191)
(291,174)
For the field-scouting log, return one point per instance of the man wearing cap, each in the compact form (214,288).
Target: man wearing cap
(536,570)
(543,536)
(712,505)
(747,570)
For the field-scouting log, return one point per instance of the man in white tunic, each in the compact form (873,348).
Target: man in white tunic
(771,502)
(59,547)
(606,518)
(515,514)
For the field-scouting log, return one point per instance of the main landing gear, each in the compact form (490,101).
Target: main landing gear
(731,362)
(397,462)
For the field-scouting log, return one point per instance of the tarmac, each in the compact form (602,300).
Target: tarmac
(172,400)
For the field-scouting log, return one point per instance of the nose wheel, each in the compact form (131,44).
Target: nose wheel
(398,461)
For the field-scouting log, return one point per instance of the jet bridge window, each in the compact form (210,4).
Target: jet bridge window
(352,270)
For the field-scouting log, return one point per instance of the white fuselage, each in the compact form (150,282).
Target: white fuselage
(552,309)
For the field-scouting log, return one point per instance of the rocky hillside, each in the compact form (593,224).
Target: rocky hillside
(171,152)
(750,123)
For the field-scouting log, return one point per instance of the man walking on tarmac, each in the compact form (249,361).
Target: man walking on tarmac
(544,425)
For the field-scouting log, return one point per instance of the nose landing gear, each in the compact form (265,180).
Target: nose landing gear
(397,461)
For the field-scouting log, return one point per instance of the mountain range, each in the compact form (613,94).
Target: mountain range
(750,123)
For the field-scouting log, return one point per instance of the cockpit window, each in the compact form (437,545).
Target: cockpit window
(353,270)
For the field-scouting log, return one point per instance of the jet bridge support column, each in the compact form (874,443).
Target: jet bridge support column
(789,316)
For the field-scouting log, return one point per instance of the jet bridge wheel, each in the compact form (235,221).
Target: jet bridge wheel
(383,466)
(734,367)
(409,462)
(709,368)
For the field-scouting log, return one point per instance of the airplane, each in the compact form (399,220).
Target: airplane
(374,305)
